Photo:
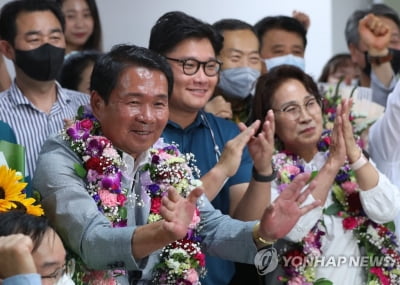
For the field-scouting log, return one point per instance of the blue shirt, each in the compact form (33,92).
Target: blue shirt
(23,279)
(201,138)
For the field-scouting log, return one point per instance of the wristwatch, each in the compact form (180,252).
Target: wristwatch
(263,178)
(380,59)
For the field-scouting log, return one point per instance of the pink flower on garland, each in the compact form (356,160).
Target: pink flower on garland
(349,186)
(155,205)
(107,198)
(382,277)
(201,258)
(192,276)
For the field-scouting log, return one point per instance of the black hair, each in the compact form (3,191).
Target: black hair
(94,42)
(15,222)
(73,67)
(286,23)
(174,27)
(10,11)
(109,67)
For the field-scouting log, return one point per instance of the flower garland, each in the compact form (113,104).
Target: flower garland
(182,262)
(378,240)
(12,196)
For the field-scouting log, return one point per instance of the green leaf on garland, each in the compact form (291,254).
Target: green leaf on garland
(391,226)
(322,281)
(333,209)
(80,170)
(123,212)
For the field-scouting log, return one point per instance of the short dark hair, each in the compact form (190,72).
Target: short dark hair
(10,11)
(19,222)
(268,84)
(286,23)
(174,27)
(95,39)
(71,71)
(232,25)
(110,65)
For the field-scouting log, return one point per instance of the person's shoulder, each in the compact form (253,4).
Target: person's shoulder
(54,142)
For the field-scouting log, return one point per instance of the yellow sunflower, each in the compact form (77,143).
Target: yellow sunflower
(11,195)
(10,188)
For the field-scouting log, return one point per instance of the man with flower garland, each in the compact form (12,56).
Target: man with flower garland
(102,209)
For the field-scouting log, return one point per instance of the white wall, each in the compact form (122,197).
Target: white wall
(135,19)
(130,21)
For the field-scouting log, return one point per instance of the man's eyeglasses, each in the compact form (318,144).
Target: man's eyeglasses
(190,66)
(293,111)
(67,268)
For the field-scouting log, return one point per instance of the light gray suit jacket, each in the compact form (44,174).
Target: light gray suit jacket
(88,233)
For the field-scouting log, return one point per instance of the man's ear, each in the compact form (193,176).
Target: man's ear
(97,103)
(7,49)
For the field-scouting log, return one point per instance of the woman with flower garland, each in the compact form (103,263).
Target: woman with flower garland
(357,199)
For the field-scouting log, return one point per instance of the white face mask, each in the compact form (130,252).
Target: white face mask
(285,59)
(65,280)
(238,82)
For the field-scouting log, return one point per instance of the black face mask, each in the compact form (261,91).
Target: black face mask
(42,63)
(395,62)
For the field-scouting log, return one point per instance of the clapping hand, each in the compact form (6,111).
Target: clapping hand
(261,147)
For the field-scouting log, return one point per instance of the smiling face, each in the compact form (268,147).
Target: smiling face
(299,136)
(137,110)
(79,23)
(191,92)
(240,49)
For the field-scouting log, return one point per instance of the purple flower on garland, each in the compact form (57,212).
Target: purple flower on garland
(78,133)
(154,188)
(155,159)
(111,181)
(94,148)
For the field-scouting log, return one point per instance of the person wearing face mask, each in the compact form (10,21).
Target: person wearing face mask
(241,66)
(31,35)
(283,41)
(373,39)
